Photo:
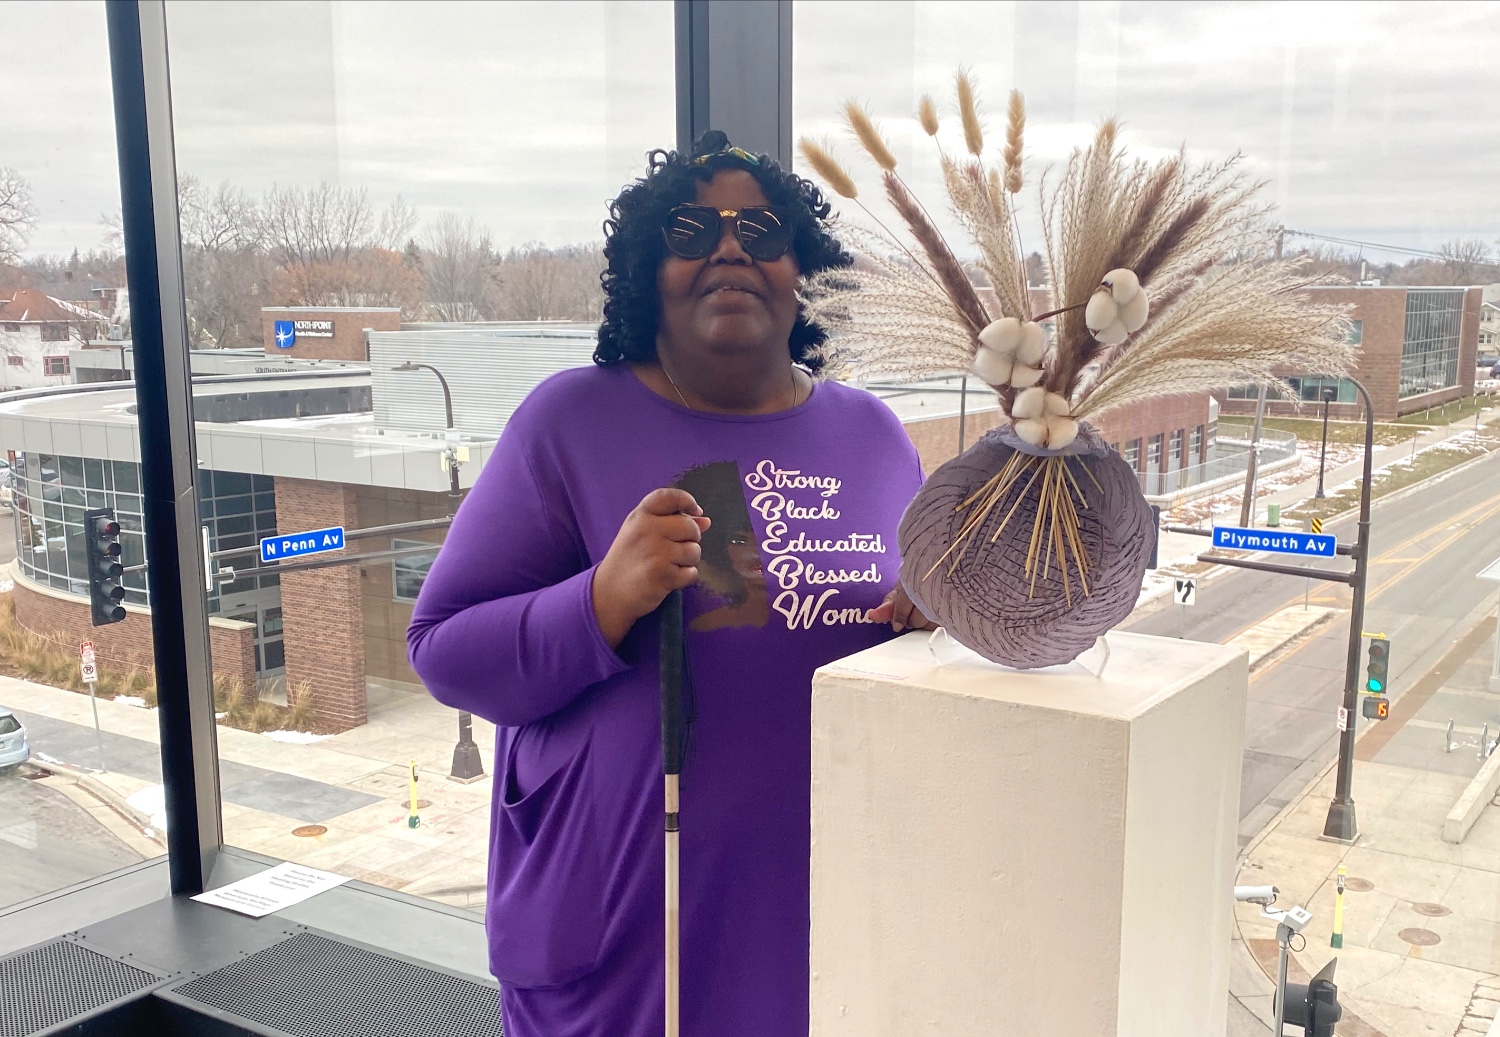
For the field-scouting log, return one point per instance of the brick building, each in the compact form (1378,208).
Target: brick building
(1417,349)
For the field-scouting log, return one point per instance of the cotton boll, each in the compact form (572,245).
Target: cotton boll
(1002,335)
(1101,311)
(1023,377)
(992,367)
(1122,284)
(1056,403)
(1133,314)
(1061,430)
(1033,345)
(1112,334)
(1032,403)
(1032,430)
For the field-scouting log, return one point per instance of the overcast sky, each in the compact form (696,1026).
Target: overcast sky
(1369,120)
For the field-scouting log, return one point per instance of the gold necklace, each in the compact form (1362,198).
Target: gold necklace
(689,406)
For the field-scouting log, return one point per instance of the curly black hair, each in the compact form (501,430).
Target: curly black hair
(634,247)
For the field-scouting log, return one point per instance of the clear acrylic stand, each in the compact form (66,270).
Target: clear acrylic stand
(945,650)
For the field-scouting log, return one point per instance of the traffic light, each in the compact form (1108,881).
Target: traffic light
(102,551)
(1377,665)
(1315,1006)
(1376,707)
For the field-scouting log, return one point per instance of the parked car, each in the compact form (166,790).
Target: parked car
(1495,371)
(14,749)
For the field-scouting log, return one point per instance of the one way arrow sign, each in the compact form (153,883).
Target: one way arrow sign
(1186,592)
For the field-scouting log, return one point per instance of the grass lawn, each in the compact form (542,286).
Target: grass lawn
(1457,410)
(1401,474)
(1310,430)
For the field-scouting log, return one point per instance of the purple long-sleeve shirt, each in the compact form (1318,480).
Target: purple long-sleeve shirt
(805,506)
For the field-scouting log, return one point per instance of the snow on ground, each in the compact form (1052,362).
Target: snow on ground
(151,801)
(299,737)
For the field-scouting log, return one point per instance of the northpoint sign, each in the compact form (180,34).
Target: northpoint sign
(1318,545)
(288,331)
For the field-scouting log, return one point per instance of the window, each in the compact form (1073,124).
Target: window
(1243,392)
(1310,389)
(1132,453)
(1356,331)
(16,361)
(1174,455)
(1430,348)
(55,365)
(1195,446)
(1153,452)
(54,331)
(409,570)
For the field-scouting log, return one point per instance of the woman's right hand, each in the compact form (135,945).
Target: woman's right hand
(655,552)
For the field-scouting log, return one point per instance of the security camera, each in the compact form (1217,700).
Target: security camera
(1265,896)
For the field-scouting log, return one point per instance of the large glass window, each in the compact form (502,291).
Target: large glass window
(466,153)
(1429,352)
(67,791)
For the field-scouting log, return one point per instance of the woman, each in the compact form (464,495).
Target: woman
(536,614)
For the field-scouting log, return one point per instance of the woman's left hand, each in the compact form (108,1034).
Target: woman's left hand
(899,611)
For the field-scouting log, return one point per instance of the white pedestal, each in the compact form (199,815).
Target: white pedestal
(1042,854)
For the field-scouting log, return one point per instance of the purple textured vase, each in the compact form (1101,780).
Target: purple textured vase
(988,602)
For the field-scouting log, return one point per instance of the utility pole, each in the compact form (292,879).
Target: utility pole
(1247,505)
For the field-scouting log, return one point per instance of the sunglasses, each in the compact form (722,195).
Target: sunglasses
(693,231)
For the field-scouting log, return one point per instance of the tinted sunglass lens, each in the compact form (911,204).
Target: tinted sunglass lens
(764,234)
(692,232)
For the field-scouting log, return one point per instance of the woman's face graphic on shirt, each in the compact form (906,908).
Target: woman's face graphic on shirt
(744,555)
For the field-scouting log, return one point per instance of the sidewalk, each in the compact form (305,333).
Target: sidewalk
(347,794)
(1421,916)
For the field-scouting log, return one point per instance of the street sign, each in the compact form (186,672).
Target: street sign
(1315,525)
(87,662)
(295,545)
(1343,718)
(1280,541)
(1186,592)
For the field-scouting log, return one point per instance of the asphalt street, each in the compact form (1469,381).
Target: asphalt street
(48,842)
(1427,546)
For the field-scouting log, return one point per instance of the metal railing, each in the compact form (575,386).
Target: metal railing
(1275,445)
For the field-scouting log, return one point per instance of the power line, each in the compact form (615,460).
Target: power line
(1375,245)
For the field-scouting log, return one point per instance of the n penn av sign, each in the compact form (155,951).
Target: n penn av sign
(295,545)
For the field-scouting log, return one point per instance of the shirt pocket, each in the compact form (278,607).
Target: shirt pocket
(545,917)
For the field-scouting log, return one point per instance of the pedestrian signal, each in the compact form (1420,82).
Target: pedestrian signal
(1376,707)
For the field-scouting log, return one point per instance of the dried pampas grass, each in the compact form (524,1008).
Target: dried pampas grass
(927,115)
(869,137)
(1015,128)
(968,112)
(823,164)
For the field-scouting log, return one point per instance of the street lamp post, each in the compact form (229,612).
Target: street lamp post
(1327,394)
(467,765)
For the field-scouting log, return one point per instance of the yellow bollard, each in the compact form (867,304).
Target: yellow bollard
(1337,940)
(412,820)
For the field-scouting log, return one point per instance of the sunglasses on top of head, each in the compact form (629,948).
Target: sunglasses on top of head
(693,231)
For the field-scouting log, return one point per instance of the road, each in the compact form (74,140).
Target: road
(48,842)
(1427,546)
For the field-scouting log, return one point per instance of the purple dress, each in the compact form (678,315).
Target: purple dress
(805,506)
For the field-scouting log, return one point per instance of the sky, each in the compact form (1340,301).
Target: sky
(1366,120)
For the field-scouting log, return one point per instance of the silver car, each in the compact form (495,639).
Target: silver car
(14,749)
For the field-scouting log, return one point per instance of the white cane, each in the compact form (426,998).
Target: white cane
(672,748)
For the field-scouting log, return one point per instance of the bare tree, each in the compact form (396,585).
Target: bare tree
(225,271)
(1463,259)
(460,271)
(17,214)
(541,283)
